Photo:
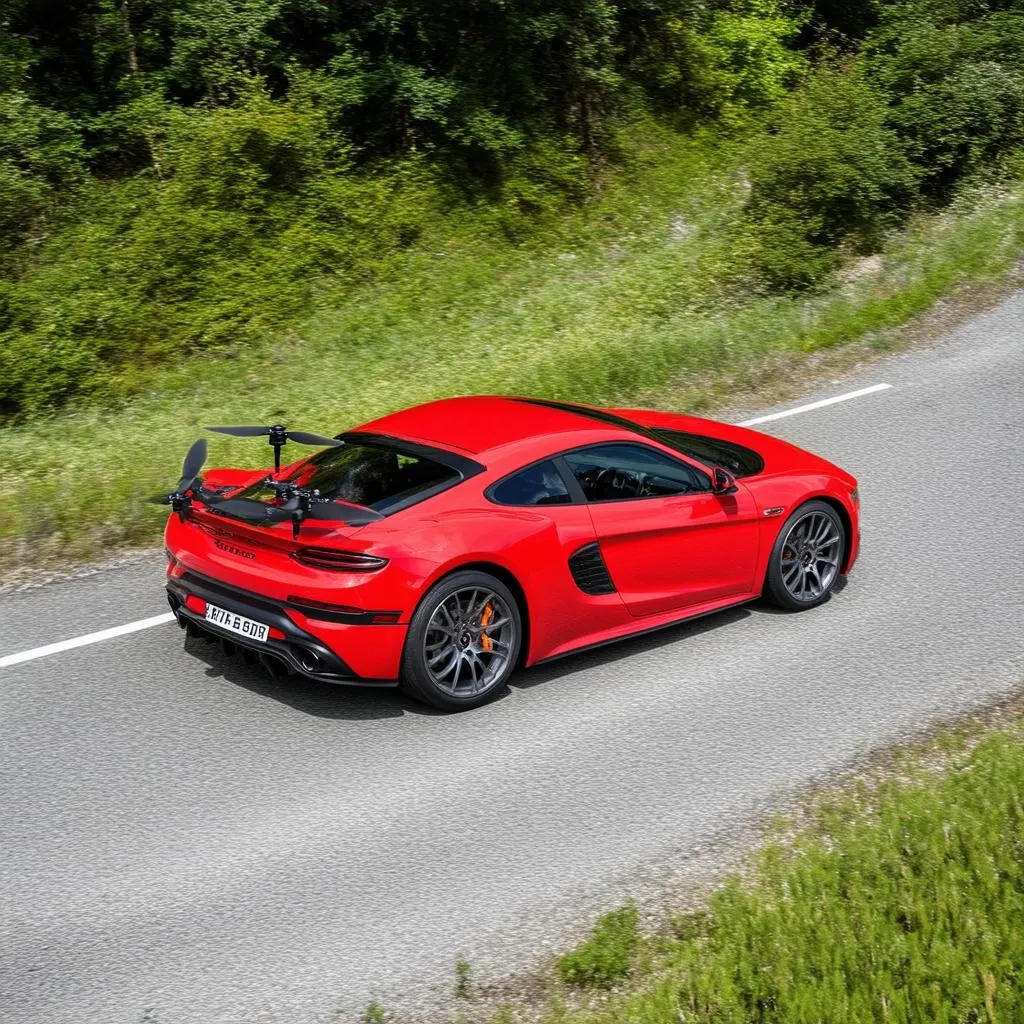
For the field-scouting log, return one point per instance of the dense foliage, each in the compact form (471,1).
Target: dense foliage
(936,93)
(183,175)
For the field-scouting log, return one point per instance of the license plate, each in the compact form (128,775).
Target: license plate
(236,623)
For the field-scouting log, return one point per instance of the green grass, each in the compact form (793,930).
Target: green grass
(636,291)
(463,978)
(374,1014)
(606,955)
(900,902)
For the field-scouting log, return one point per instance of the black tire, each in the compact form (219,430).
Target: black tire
(800,558)
(494,658)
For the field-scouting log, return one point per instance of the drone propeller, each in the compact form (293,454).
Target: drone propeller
(180,499)
(278,437)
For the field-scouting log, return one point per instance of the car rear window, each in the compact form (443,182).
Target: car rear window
(372,475)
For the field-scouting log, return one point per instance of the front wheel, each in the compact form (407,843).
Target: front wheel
(805,561)
(463,642)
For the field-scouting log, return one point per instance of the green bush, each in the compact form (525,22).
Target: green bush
(727,60)
(936,93)
(537,183)
(41,153)
(956,91)
(606,956)
(255,205)
(831,172)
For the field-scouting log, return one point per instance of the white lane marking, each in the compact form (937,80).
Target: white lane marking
(814,405)
(83,641)
(159,620)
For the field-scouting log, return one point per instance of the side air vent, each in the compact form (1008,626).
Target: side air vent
(589,571)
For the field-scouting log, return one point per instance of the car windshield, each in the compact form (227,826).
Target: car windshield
(712,451)
(372,475)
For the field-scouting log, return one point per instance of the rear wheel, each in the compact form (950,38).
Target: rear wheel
(805,561)
(463,642)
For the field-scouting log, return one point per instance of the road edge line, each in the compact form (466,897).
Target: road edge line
(815,405)
(86,639)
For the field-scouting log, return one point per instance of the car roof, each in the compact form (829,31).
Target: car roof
(479,424)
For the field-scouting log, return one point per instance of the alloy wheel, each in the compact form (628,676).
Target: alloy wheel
(468,641)
(810,556)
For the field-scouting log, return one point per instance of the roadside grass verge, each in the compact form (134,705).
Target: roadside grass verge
(896,897)
(607,954)
(639,293)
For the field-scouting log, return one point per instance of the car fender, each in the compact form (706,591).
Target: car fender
(533,555)
(778,496)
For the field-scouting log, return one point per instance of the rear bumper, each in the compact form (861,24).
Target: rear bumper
(328,651)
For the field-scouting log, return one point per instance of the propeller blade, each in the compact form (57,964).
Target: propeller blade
(158,499)
(314,439)
(354,515)
(242,431)
(193,464)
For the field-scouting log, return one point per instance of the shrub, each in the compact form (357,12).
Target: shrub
(374,1014)
(40,153)
(607,954)
(831,171)
(727,61)
(256,204)
(956,91)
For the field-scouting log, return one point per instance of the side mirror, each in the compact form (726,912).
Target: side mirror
(722,482)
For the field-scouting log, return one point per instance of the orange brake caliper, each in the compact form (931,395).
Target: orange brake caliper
(485,641)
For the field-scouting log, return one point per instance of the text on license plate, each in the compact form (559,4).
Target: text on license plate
(236,623)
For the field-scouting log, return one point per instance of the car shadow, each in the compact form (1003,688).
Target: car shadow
(629,647)
(322,700)
(767,608)
(353,703)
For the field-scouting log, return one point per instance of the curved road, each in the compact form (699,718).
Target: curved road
(181,833)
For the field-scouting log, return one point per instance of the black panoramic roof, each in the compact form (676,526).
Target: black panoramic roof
(593,414)
(738,459)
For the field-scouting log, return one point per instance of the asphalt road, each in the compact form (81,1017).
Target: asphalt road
(184,834)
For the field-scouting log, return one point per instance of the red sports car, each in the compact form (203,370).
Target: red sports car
(444,546)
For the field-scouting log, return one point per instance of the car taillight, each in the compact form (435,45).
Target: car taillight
(341,561)
(307,606)
(195,604)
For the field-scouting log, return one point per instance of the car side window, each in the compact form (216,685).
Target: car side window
(621,472)
(540,484)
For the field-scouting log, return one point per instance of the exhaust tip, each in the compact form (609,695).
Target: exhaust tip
(309,660)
